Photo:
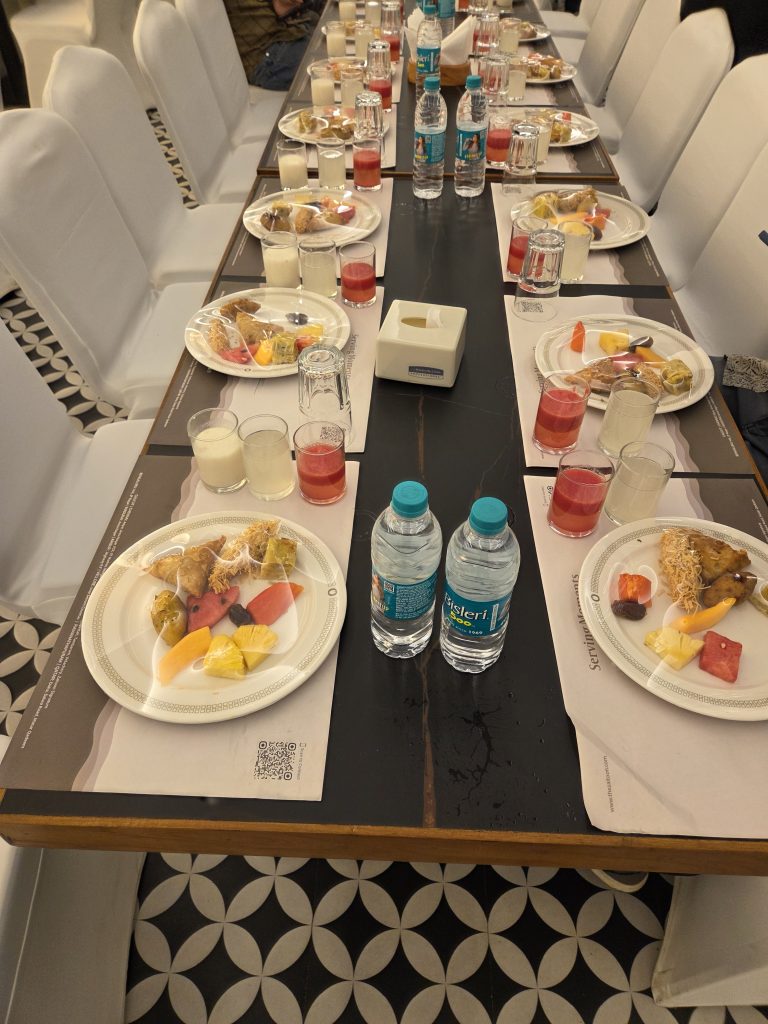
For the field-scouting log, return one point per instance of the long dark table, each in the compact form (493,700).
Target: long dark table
(424,763)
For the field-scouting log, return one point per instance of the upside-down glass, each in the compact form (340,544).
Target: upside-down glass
(292,163)
(582,483)
(323,386)
(642,473)
(520,166)
(522,228)
(539,283)
(279,250)
(267,457)
(357,261)
(494,71)
(578,238)
(562,405)
(629,413)
(320,462)
(487,32)
(218,453)
(391,28)
(317,260)
(380,72)
(369,115)
(336,38)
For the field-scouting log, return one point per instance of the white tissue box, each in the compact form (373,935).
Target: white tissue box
(421,343)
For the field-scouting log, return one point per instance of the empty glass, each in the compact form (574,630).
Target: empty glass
(323,387)
(317,260)
(292,163)
(391,28)
(642,473)
(369,116)
(380,72)
(267,457)
(494,71)
(487,38)
(520,165)
(218,453)
(539,283)
(629,414)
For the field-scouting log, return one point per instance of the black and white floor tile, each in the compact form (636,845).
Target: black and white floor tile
(221,940)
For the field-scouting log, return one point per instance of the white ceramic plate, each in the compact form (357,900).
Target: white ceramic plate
(120,645)
(365,221)
(277,304)
(289,126)
(568,74)
(627,223)
(542,33)
(583,129)
(635,548)
(334,60)
(554,353)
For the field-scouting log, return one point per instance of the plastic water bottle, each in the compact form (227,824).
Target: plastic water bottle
(481,566)
(429,141)
(406,544)
(446,15)
(428,39)
(471,132)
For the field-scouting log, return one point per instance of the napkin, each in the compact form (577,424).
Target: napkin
(454,49)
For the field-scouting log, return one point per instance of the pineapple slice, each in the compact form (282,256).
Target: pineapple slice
(676,648)
(613,343)
(254,643)
(224,659)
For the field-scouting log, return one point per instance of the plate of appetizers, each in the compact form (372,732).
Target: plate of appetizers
(533,33)
(326,124)
(213,617)
(544,70)
(349,29)
(600,349)
(330,214)
(680,606)
(260,332)
(614,220)
(568,128)
(336,64)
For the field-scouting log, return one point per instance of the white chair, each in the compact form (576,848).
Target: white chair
(42,28)
(727,140)
(576,26)
(607,37)
(64,241)
(249,112)
(655,23)
(691,65)
(60,488)
(92,91)
(725,300)
(169,58)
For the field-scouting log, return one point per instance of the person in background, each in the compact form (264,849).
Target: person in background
(271,37)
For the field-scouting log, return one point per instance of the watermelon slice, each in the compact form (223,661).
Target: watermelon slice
(720,656)
(210,608)
(270,604)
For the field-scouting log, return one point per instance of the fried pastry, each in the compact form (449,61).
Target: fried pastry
(279,559)
(240,554)
(217,336)
(230,309)
(716,557)
(254,331)
(188,570)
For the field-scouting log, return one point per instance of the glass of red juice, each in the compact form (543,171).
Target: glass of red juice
(366,163)
(518,242)
(498,140)
(357,261)
(320,464)
(562,405)
(383,86)
(582,483)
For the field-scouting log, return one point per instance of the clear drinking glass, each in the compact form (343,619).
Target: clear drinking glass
(323,386)
(509,34)
(351,77)
(373,13)
(336,38)
(320,463)
(357,261)
(499,137)
(582,483)
(364,34)
(578,238)
(539,283)
(562,405)
(642,473)
(380,72)
(317,260)
(331,164)
(629,413)
(369,115)
(366,163)
(391,28)
(494,71)
(487,32)
(347,10)
(520,165)
(218,453)
(279,250)
(522,228)
(292,163)
(322,86)
(518,76)
(544,125)
(267,457)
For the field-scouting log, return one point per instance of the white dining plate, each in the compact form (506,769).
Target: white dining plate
(567,75)
(334,60)
(626,223)
(634,548)
(583,129)
(121,648)
(554,353)
(542,33)
(366,219)
(285,308)
(289,126)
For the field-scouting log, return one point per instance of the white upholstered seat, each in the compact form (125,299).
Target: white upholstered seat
(563,24)
(607,36)
(92,91)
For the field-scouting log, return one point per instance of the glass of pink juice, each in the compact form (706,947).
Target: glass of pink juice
(383,86)
(394,45)
(320,463)
(562,405)
(518,242)
(357,261)
(582,483)
(366,164)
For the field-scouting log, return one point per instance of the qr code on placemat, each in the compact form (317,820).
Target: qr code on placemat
(275,759)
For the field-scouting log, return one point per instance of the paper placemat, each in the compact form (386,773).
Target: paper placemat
(647,766)
(700,436)
(634,264)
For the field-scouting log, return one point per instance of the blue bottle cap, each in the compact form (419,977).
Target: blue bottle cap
(488,516)
(430,9)
(410,499)
(432,83)
(474,81)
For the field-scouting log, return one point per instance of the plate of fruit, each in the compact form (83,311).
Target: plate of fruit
(213,617)
(541,69)
(614,220)
(331,214)
(260,332)
(680,605)
(600,349)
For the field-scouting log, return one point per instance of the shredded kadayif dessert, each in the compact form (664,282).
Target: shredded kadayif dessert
(239,554)
(680,568)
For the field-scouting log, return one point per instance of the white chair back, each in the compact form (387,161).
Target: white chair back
(589,9)
(170,60)
(693,62)
(64,241)
(726,298)
(91,90)
(607,37)
(727,140)
(210,26)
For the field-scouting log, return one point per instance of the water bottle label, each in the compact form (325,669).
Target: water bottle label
(446,8)
(402,600)
(427,60)
(470,144)
(429,147)
(475,618)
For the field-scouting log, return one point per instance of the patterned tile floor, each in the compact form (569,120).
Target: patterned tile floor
(224,939)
